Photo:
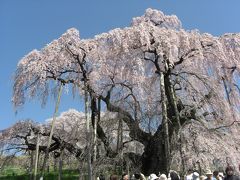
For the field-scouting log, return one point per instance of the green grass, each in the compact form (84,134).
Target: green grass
(19,174)
(12,171)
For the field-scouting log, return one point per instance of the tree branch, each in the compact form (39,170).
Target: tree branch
(135,132)
(186,55)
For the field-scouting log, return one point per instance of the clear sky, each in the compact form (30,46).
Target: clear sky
(30,24)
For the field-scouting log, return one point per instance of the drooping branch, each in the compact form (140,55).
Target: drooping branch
(136,132)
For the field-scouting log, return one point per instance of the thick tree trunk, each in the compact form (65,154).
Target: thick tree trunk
(172,100)
(153,158)
(156,157)
(173,114)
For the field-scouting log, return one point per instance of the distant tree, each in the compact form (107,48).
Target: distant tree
(68,140)
(155,75)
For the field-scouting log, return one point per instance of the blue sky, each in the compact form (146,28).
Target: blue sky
(30,24)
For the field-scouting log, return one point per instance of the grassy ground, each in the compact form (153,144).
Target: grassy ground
(20,174)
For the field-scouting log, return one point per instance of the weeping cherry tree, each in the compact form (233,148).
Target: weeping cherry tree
(157,76)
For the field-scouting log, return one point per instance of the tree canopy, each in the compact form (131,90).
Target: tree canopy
(153,73)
